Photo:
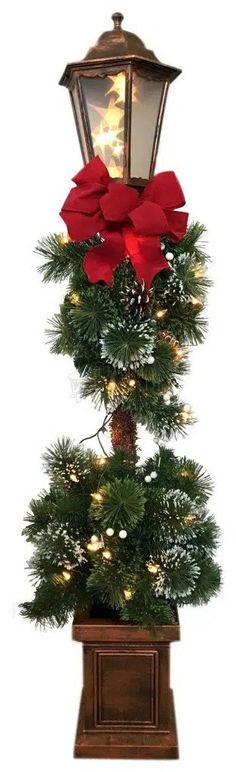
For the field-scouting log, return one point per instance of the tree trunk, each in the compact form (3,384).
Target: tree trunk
(123,432)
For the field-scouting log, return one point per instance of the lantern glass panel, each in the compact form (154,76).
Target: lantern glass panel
(105,103)
(79,123)
(147,95)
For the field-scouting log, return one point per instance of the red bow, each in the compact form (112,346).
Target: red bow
(129,223)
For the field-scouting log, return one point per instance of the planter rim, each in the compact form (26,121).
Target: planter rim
(87,628)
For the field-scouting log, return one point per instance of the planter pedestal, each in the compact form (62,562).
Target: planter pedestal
(127,708)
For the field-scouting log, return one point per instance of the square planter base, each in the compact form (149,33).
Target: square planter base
(123,745)
(127,707)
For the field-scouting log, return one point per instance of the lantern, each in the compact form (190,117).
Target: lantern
(118,94)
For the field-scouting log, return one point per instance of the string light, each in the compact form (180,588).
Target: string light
(161,313)
(132,383)
(185,473)
(195,301)
(111,388)
(101,461)
(198,271)
(74,298)
(152,567)
(107,554)
(179,353)
(94,539)
(186,414)
(128,593)
(94,546)
(97,497)
(64,238)
(66,575)
(110,531)
(189,519)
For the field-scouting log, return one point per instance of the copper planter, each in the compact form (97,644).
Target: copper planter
(127,707)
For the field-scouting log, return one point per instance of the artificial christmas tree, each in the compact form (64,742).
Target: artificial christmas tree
(120,544)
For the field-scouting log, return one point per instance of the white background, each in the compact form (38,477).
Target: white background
(40,153)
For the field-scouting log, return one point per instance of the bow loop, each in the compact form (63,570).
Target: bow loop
(94,171)
(164,189)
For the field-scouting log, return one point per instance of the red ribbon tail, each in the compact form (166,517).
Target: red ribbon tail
(145,254)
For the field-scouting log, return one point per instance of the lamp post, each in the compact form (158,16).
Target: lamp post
(118,94)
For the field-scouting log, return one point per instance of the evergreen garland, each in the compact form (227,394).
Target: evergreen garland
(138,538)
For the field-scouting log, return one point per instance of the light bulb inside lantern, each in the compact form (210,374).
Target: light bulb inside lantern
(117,87)
(108,134)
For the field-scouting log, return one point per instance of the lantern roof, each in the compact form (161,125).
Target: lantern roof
(120,45)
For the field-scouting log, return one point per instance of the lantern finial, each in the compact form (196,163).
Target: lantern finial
(117,18)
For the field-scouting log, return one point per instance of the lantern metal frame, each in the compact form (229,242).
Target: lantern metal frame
(117,51)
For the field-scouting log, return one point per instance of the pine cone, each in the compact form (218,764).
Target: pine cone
(138,300)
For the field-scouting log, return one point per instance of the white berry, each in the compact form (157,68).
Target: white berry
(169,255)
(150,360)
(153,475)
(167,397)
(122,534)
(147,478)
(110,531)
(93,539)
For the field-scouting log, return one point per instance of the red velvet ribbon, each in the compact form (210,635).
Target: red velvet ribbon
(130,223)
